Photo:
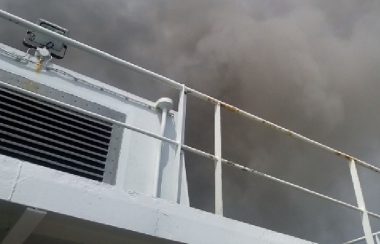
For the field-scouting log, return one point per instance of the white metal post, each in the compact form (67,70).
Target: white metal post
(180,128)
(218,162)
(158,163)
(25,226)
(164,104)
(361,203)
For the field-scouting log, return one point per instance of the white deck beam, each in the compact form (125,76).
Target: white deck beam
(25,226)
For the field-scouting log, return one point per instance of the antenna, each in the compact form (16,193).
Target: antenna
(37,40)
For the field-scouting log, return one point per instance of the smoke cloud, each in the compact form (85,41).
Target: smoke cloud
(311,66)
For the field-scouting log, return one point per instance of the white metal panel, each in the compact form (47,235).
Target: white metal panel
(135,167)
(106,204)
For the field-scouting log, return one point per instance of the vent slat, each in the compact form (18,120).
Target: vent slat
(59,110)
(53,157)
(20,99)
(46,139)
(103,139)
(56,136)
(50,163)
(50,147)
(33,110)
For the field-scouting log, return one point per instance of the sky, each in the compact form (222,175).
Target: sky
(311,66)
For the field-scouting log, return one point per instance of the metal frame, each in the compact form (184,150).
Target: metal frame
(156,186)
(114,145)
(217,156)
(361,203)
(180,128)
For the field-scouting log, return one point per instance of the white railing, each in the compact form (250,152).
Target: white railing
(352,162)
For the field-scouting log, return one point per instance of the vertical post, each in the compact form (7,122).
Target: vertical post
(180,128)
(25,226)
(218,162)
(377,239)
(361,203)
(165,105)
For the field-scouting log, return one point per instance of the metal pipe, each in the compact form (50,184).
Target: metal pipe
(163,105)
(84,47)
(373,214)
(180,138)
(73,43)
(218,162)
(269,177)
(281,129)
(95,115)
(363,238)
(297,187)
(361,203)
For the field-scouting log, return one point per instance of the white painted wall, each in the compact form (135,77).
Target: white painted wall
(128,204)
(63,193)
(138,152)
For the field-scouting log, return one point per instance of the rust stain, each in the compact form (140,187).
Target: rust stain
(39,66)
(348,157)
(229,107)
(31,86)
(212,100)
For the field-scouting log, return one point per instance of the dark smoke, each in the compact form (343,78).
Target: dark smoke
(312,66)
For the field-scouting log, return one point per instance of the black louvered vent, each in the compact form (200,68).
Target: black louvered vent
(49,135)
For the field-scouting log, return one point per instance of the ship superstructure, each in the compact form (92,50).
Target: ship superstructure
(85,162)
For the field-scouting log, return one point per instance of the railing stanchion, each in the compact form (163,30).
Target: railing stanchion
(164,105)
(180,129)
(361,203)
(218,162)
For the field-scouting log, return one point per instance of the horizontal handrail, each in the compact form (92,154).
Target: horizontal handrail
(219,104)
(362,238)
(177,85)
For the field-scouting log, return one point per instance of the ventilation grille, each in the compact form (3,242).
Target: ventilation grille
(49,135)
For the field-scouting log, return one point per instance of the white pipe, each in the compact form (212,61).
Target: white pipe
(95,115)
(363,238)
(218,162)
(73,43)
(361,203)
(156,178)
(84,47)
(164,104)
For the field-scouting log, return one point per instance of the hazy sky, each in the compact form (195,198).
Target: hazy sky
(310,65)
